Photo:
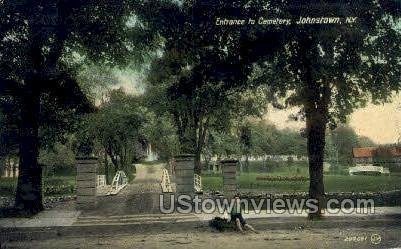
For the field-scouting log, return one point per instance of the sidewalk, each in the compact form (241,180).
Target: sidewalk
(47,218)
(70,217)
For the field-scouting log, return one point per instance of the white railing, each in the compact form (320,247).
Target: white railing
(197,183)
(101,180)
(119,182)
(165,183)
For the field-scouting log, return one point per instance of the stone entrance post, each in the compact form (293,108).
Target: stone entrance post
(229,168)
(184,174)
(86,182)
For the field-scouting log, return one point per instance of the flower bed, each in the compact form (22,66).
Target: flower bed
(282,178)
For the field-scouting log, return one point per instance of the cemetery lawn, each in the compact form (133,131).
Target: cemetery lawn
(333,183)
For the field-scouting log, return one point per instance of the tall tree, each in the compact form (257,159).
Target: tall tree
(246,143)
(39,40)
(331,69)
(200,67)
(117,127)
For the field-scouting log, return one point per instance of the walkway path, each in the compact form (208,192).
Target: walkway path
(140,196)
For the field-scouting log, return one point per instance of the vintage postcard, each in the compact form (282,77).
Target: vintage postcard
(200,124)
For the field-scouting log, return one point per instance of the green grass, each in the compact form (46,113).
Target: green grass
(339,182)
(336,183)
(333,183)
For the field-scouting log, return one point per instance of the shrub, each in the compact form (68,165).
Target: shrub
(58,189)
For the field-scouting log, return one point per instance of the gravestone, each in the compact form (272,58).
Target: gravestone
(229,168)
(86,182)
(184,174)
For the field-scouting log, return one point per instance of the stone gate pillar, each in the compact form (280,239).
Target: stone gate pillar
(184,174)
(86,182)
(229,169)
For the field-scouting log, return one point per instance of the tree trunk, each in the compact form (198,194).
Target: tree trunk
(14,167)
(246,168)
(192,131)
(106,168)
(2,165)
(316,95)
(316,120)
(315,146)
(198,163)
(28,198)
(9,167)
(207,161)
(113,157)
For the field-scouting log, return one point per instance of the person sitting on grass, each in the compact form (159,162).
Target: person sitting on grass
(236,216)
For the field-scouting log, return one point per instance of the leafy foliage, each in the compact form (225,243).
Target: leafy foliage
(58,160)
(340,143)
(117,127)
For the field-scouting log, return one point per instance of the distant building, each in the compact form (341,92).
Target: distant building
(363,155)
(276,158)
(370,160)
(377,155)
(284,158)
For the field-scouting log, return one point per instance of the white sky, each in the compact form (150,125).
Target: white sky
(130,82)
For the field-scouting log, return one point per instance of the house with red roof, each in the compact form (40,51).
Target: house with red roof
(377,155)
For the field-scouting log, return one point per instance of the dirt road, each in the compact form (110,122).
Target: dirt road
(205,238)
